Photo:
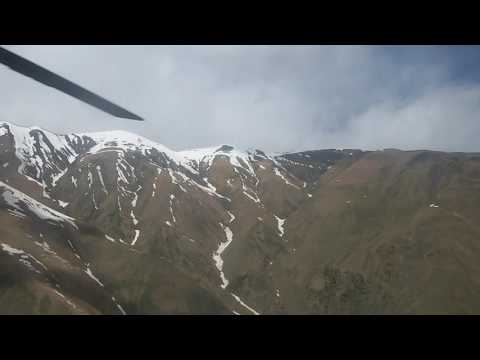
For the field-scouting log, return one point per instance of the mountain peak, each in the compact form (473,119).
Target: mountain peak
(225,148)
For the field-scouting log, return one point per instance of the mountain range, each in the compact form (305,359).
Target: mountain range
(114,223)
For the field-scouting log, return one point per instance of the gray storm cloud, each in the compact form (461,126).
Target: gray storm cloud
(277,98)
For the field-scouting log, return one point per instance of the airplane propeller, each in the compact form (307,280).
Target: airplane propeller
(46,77)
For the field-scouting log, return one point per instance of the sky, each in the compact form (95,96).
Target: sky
(274,98)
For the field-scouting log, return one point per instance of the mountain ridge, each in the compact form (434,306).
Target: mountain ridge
(125,136)
(222,231)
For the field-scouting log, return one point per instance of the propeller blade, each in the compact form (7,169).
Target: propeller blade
(46,77)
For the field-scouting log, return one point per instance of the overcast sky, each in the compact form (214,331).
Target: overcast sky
(276,98)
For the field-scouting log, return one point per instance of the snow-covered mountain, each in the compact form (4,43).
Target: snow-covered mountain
(112,222)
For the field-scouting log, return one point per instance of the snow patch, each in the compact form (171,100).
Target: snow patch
(280,225)
(119,307)
(279,174)
(63,204)
(65,298)
(19,201)
(99,173)
(217,255)
(11,250)
(244,305)
(232,217)
(45,247)
(137,234)
(16,213)
(206,156)
(171,207)
(109,238)
(134,219)
(24,257)
(92,276)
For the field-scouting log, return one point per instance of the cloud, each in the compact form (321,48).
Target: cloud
(278,98)
(443,119)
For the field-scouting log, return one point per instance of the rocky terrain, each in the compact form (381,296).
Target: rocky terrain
(113,223)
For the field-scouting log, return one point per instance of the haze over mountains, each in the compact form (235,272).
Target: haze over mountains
(113,223)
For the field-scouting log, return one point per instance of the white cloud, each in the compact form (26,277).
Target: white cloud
(273,97)
(444,119)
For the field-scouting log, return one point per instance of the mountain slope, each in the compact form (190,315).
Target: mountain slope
(130,226)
